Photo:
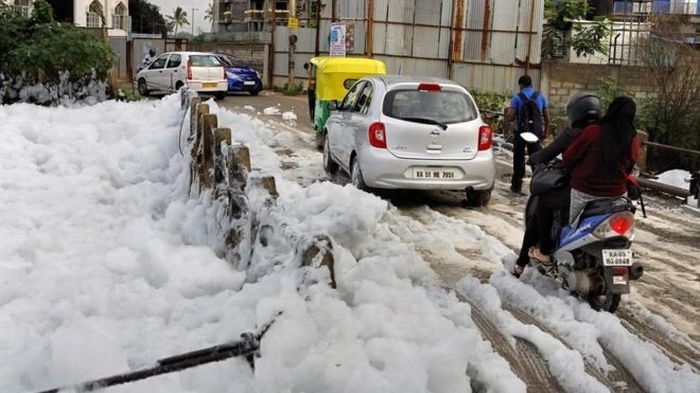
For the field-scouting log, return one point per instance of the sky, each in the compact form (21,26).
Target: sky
(167,7)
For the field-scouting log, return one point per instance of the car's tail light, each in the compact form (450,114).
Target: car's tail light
(189,69)
(377,135)
(485,138)
(619,224)
(429,87)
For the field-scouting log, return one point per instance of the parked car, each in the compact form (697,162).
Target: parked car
(202,72)
(399,132)
(240,76)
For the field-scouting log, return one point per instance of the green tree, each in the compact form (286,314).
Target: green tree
(209,14)
(178,19)
(146,18)
(565,29)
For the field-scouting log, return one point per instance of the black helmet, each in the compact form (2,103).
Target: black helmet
(583,108)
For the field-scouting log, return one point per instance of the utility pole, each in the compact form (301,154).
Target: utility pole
(193,10)
(334,12)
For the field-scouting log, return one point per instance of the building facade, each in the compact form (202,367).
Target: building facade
(86,13)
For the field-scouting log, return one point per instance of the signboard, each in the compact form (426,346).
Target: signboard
(293,23)
(350,37)
(337,39)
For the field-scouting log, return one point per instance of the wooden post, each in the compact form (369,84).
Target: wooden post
(239,166)
(196,101)
(209,122)
(320,253)
(642,137)
(221,136)
(529,37)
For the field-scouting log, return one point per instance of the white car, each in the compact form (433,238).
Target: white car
(398,132)
(202,72)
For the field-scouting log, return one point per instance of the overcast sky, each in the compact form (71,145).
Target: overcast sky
(167,7)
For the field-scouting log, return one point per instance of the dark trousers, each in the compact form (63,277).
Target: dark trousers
(540,223)
(519,146)
(311,93)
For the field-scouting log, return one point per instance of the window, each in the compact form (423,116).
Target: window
(444,106)
(159,63)
(119,17)
(93,14)
(23,6)
(175,61)
(351,97)
(364,100)
(205,61)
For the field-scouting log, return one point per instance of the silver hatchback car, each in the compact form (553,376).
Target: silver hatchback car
(399,132)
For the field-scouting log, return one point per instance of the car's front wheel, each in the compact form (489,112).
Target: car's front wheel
(328,164)
(143,88)
(478,198)
(356,175)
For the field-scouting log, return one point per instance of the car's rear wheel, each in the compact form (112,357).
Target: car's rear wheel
(329,165)
(356,175)
(143,87)
(220,95)
(178,85)
(478,198)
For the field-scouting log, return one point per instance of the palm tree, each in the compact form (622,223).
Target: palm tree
(178,19)
(209,14)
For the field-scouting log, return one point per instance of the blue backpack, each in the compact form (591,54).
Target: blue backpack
(529,115)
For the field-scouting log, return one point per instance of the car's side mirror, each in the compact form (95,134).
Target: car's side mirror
(333,105)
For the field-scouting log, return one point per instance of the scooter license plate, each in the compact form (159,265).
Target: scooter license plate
(619,257)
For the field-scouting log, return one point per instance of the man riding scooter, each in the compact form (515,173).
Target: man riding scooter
(582,110)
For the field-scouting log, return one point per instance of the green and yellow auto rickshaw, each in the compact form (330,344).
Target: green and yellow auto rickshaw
(330,78)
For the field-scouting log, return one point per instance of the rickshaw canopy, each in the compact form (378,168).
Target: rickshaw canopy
(335,75)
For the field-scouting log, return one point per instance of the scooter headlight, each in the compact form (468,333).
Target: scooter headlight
(619,224)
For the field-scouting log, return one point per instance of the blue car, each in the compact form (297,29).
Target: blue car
(240,76)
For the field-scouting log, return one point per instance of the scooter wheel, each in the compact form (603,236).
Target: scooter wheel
(606,302)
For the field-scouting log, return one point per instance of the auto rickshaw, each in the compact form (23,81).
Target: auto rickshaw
(330,78)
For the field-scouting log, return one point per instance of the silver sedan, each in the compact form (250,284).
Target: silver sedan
(397,132)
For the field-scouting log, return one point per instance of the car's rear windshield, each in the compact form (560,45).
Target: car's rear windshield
(443,106)
(205,61)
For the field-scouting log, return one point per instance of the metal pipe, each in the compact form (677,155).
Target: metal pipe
(317,52)
(369,38)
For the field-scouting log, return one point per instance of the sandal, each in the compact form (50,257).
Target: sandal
(518,270)
(536,254)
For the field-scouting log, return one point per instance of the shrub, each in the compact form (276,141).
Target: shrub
(39,50)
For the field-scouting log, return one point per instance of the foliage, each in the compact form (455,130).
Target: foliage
(586,39)
(295,90)
(146,18)
(39,49)
(672,115)
(490,102)
(209,13)
(609,89)
(177,20)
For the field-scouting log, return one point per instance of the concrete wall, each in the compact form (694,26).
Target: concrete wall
(561,80)
(254,54)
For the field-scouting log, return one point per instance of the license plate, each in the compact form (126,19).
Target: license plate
(617,257)
(249,83)
(435,173)
(210,84)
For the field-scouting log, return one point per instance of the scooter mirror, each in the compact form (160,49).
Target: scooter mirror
(529,137)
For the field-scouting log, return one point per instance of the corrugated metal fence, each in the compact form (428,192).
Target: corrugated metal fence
(482,44)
